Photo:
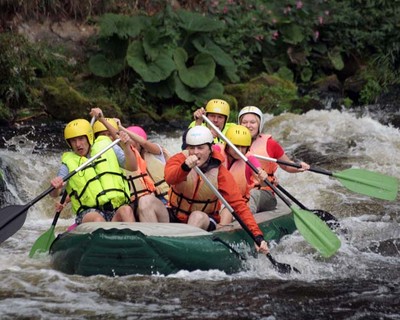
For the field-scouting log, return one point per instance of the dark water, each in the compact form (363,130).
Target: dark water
(361,281)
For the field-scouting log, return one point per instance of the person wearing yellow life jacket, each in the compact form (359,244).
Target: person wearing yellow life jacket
(191,200)
(146,206)
(217,111)
(244,176)
(262,144)
(99,192)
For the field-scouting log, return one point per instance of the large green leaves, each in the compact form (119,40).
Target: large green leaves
(195,22)
(292,33)
(199,96)
(151,69)
(198,75)
(205,45)
(111,60)
(122,26)
(105,67)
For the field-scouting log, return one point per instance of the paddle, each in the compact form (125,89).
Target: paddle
(313,229)
(281,267)
(366,182)
(329,219)
(13,217)
(43,243)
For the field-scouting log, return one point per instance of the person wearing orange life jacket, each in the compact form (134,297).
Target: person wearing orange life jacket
(217,110)
(244,176)
(191,200)
(100,192)
(155,157)
(146,206)
(263,144)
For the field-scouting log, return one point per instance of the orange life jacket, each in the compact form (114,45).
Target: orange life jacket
(139,181)
(193,194)
(238,170)
(155,169)
(259,147)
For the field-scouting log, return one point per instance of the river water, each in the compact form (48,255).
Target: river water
(362,281)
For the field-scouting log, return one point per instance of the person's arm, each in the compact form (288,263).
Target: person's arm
(197,115)
(276,151)
(129,155)
(98,114)
(304,166)
(58,182)
(147,145)
(230,191)
(176,169)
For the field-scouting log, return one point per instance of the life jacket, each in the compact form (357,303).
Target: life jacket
(259,147)
(102,182)
(238,170)
(140,183)
(194,194)
(155,169)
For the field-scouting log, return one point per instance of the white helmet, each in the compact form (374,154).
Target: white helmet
(254,110)
(199,135)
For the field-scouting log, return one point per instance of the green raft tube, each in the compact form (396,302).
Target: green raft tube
(120,248)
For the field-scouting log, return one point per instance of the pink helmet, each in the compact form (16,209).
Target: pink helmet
(138,130)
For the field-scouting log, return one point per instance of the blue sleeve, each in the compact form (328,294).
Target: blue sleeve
(120,155)
(63,171)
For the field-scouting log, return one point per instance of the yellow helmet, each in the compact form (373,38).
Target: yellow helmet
(218,106)
(77,128)
(98,126)
(239,135)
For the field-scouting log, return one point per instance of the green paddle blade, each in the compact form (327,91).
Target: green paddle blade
(43,243)
(372,184)
(316,232)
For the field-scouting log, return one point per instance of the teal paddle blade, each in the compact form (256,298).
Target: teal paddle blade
(316,232)
(43,243)
(370,183)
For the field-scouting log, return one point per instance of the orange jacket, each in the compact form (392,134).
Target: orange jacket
(227,186)
(139,181)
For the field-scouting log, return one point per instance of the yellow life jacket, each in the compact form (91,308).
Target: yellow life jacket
(101,183)
(259,147)
(155,169)
(193,194)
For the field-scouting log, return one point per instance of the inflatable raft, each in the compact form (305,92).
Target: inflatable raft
(119,248)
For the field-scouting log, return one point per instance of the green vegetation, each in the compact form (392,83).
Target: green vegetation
(152,58)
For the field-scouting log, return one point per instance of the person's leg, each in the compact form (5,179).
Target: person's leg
(124,214)
(93,216)
(261,200)
(225,217)
(151,209)
(199,219)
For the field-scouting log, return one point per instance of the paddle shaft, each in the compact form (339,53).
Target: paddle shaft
(57,215)
(244,158)
(226,204)
(295,165)
(14,212)
(313,229)
(43,243)
(72,173)
(281,267)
